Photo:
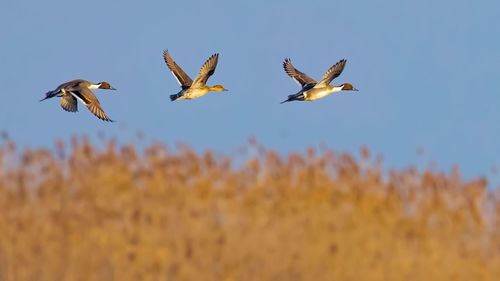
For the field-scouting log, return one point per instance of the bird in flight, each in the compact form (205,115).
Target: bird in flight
(312,90)
(81,90)
(193,89)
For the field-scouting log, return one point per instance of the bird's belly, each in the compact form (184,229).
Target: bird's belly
(315,94)
(195,93)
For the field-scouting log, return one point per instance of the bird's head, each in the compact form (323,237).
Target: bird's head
(105,86)
(218,88)
(348,87)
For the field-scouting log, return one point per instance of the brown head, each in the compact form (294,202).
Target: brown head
(105,85)
(218,88)
(348,87)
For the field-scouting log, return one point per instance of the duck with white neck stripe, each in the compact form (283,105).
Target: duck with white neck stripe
(312,90)
(80,89)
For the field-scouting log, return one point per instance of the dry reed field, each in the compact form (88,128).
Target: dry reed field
(110,212)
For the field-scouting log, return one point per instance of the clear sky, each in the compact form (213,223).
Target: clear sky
(426,71)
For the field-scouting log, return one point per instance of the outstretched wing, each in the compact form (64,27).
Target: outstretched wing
(207,70)
(332,73)
(184,80)
(90,100)
(69,103)
(297,75)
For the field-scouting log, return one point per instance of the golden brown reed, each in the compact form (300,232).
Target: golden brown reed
(112,213)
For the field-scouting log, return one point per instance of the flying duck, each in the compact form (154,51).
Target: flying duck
(193,89)
(312,90)
(80,89)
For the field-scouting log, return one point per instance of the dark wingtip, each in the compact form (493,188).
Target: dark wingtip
(285,62)
(215,55)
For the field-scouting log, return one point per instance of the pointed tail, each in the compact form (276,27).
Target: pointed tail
(298,96)
(175,97)
(49,95)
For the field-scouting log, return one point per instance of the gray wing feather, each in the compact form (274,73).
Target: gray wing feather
(90,100)
(297,75)
(69,103)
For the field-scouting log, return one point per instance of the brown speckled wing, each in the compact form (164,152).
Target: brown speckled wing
(332,73)
(96,109)
(184,80)
(297,75)
(69,103)
(92,103)
(207,70)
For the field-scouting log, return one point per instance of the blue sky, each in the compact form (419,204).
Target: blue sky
(426,71)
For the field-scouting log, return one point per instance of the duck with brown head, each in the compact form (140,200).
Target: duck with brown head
(105,86)
(312,90)
(348,87)
(79,89)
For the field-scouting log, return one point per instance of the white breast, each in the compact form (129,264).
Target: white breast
(337,89)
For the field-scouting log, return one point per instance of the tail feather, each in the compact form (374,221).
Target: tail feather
(287,100)
(48,95)
(298,96)
(175,97)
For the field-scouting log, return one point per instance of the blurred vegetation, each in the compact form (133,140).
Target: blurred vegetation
(81,212)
